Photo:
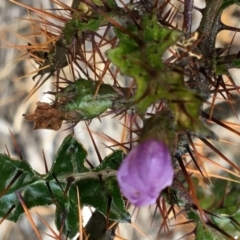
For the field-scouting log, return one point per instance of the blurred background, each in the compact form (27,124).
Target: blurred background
(16,83)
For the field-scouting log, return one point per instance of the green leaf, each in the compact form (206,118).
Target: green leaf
(221,69)
(205,233)
(94,191)
(103,188)
(111,161)
(236,63)
(97,187)
(191,214)
(99,194)
(79,100)
(139,56)
(78,25)
(69,159)
(223,207)
(228,223)
(35,193)
(8,202)
(19,173)
(97,191)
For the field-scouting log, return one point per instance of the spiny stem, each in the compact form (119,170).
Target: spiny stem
(210,26)
(82,176)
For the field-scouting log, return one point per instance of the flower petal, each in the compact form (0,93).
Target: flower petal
(145,172)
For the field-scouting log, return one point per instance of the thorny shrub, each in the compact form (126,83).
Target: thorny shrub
(170,72)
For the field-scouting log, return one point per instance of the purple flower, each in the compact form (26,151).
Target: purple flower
(145,172)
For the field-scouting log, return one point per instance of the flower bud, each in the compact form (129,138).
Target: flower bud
(145,172)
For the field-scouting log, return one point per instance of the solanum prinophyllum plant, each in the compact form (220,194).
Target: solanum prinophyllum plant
(170,72)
